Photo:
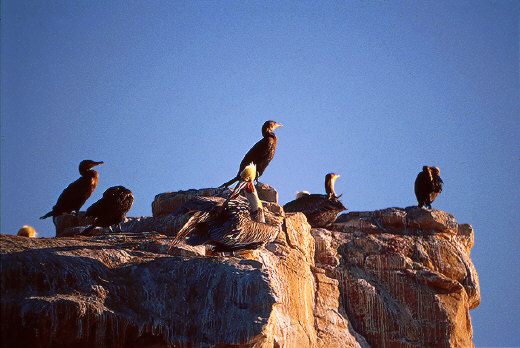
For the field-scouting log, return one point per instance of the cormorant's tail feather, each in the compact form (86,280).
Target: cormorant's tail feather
(230,182)
(46,215)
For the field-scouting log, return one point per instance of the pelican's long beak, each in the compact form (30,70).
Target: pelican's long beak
(236,191)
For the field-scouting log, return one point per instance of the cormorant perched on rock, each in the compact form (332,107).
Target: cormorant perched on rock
(428,185)
(110,209)
(232,225)
(320,210)
(437,183)
(261,153)
(77,193)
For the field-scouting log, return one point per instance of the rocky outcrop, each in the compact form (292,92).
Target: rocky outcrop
(394,278)
(405,276)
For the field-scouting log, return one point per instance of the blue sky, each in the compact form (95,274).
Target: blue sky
(172,94)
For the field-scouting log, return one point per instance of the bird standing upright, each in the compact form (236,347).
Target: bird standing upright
(320,210)
(437,183)
(111,209)
(428,185)
(261,153)
(77,193)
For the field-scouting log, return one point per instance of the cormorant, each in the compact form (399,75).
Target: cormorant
(110,209)
(437,183)
(77,193)
(232,225)
(261,153)
(428,185)
(320,210)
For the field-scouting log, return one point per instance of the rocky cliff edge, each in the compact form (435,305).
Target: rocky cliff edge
(387,278)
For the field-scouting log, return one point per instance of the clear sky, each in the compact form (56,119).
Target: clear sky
(171,94)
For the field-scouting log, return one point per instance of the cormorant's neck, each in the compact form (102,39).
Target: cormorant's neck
(88,172)
(268,134)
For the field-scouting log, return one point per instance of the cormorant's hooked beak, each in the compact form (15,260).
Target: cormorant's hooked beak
(97,163)
(277,125)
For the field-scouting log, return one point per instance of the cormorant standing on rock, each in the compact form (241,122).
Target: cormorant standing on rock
(320,210)
(261,153)
(437,183)
(428,185)
(77,193)
(110,209)
(235,224)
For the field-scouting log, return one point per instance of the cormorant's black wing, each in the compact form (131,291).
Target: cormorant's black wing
(74,196)
(313,203)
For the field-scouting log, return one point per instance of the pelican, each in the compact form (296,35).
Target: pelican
(231,225)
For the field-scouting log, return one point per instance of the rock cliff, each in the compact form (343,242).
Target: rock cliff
(393,277)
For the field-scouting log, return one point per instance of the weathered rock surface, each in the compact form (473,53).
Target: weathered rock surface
(394,278)
(405,276)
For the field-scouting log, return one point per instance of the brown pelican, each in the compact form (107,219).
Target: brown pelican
(261,153)
(110,209)
(320,210)
(231,225)
(428,185)
(77,193)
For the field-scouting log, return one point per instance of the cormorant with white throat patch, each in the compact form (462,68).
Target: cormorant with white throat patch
(320,210)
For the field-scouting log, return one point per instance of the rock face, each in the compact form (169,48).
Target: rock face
(393,277)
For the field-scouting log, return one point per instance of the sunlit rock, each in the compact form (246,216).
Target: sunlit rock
(392,277)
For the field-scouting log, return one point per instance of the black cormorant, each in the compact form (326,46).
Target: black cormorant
(437,183)
(77,193)
(231,225)
(110,209)
(428,185)
(320,210)
(261,153)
